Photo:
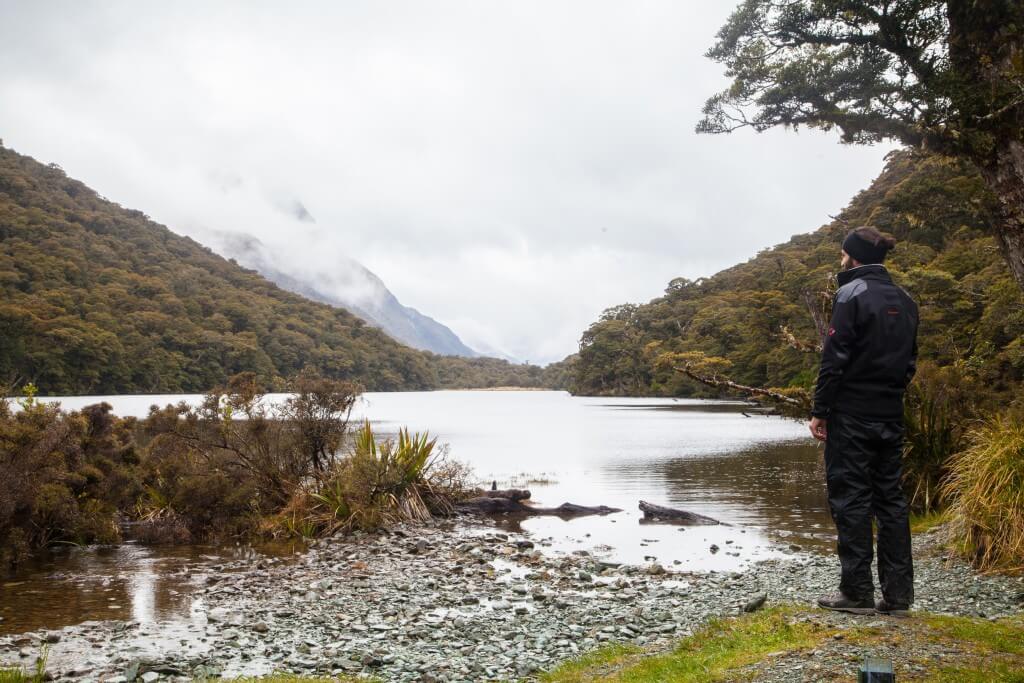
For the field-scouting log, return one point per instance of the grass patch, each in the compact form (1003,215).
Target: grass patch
(726,649)
(707,655)
(924,522)
(19,675)
(999,672)
(1005,636)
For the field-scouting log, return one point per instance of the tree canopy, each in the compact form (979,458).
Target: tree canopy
(945,76)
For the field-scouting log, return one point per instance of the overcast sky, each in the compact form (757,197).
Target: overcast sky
(508,168)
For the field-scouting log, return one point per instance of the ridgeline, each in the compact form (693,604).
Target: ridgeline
(97,299)
(755,322)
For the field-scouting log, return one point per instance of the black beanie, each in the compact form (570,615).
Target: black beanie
(864,250)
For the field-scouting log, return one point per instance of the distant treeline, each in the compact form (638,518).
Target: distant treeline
(755,322)
(97,299)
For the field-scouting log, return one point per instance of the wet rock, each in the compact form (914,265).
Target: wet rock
(755,603)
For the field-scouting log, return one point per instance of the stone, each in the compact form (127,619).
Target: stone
(755,603)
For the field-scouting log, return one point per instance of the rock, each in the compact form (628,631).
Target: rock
(218,614)
(150,677)
(655,569)
(755,603)
(51,637)
(714,548)
(260,627)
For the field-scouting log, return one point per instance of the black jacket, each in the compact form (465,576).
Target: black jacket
(870,352)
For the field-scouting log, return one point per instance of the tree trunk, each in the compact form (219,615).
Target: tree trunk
(986,51)
(1006,179)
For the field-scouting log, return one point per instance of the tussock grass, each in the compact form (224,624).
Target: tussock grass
(986,483)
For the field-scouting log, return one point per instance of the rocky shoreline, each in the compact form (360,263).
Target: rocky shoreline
(452,603)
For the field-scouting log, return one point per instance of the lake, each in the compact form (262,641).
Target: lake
(760,474)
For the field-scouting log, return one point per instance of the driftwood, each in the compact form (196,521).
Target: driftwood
(489,504)
(511,494)
(659,513)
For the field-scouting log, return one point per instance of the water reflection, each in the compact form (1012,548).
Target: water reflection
(758,473)
(127,582)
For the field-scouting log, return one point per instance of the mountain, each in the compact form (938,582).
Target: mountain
(352,286)
(754,321)
(96,298)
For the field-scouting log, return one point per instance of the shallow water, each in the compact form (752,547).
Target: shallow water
(759,474)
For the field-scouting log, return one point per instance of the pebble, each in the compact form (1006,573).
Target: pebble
(438,604)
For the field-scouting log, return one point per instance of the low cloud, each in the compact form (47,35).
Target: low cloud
(510,169)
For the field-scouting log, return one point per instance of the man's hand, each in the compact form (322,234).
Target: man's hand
(819,428)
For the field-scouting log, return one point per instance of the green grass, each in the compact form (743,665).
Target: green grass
(999,672)
(707,655)
(720,651)
(997,647)
(926,521)
(1005,636)
(38,675)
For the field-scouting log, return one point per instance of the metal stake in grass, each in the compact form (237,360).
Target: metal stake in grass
(875,670)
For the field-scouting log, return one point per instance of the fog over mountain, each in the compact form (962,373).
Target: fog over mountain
(347,284)
(510,168)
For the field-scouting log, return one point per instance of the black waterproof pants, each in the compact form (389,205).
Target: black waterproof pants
(863,472)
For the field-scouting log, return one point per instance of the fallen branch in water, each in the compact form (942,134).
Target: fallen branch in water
(715,381)
(505,505)
(663,514)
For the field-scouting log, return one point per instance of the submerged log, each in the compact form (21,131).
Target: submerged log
(491,505)
(511,494)
(663,514)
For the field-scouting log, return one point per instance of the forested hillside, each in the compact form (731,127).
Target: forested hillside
(96,298)
(754,321)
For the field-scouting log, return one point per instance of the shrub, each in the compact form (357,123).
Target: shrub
(936,414)
(56,470)
(986,485)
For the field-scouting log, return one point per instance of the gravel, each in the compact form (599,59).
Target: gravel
(454,604)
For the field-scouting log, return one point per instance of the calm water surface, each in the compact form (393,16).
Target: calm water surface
(760,474)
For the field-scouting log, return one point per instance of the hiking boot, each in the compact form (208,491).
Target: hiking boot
(840,603)
(896,609)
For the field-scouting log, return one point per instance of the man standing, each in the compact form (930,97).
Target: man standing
(868,359)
